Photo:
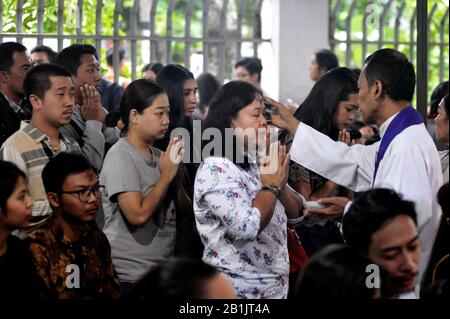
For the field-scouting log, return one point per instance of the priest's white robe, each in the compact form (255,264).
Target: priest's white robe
(411,166)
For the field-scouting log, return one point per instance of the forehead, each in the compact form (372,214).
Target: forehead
(85,178)
(396,232)
(241,69)
(189,84)
(21,58)
(60,81)
(160,101)
(255,105)
(88,59)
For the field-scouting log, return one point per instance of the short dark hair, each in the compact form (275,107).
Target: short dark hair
(437,95)
(155,67)
(225,106)
(174,279)
(7,51)
(447,105)
(110,56)
(335,272)
(9,175)
(70,57)
(138,96)
(394,70)
(252,64)
(326,60)
(207,87)
(47,50)
(369,211)
(60,167)
(37,81)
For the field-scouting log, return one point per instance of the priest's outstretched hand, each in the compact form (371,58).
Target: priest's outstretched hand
(281,116)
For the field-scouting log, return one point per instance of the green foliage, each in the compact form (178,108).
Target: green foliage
(389,32)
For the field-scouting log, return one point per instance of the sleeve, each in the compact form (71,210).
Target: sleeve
(409,161)
(119,174)
(89,137)
(222,190)
(351,167)
(10,154)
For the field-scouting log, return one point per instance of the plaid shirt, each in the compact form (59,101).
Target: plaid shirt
(52,253)
(30,150)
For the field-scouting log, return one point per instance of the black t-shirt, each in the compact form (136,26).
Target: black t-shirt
(18,279)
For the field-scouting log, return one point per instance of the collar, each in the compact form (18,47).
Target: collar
(386,123)
(16,107)
(37,135)
(59,235)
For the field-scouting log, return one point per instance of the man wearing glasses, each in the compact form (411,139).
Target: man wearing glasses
(72,256)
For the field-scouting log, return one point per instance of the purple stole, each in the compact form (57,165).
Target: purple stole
(404,119)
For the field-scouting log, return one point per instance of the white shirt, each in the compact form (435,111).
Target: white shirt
(410,166)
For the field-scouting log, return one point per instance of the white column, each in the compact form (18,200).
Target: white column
(300,28)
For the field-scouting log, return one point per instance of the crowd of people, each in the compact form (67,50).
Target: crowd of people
(344,196)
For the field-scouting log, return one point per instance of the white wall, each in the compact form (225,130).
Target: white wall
(300,27)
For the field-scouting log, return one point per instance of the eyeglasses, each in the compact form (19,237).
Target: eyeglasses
(85,194)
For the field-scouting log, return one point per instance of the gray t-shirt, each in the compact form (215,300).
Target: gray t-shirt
(135,249)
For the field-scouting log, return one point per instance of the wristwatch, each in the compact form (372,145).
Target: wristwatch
(274,189)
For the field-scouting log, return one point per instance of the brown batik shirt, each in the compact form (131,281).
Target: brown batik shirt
(73,270)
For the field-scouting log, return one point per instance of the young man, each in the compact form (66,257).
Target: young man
(49,89)
(249,70)
(321,62)
(406,159)
(72,256)
(43,54)
(14,65)
(88,114)
(383,227)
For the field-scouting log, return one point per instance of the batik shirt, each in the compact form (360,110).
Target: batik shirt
(73,270)
(256,264)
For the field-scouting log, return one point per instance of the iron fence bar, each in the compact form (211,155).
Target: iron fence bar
(397,23)
(152,30)
(98,28)
(332,26)
(169,30)
(364,35)
(40,21)
(60,24)
(222,53)
(214,40)
(1,21)
(412,42)
(442,46)
(422,57)
(19,15)
(240,15)
(382,17)
(257,26)
(187,33)
(79,20)
(134,17)
(348,49)
(206,5)
(116,44)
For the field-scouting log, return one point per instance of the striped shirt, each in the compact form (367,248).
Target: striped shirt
(31,150)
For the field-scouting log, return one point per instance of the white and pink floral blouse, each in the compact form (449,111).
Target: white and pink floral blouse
(256,264)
